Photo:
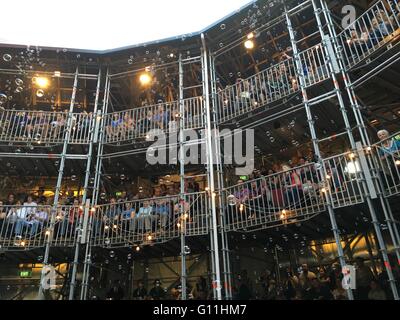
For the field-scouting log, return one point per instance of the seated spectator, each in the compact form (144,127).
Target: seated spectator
(26,218)
(161,210)
(70,222)
(41,216)
(115,126)
(376,292)
(112,211)
(128,127)
(129,214)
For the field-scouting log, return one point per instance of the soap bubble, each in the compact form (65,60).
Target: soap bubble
(39,93)
(19,82)
(3,98)
(7,57)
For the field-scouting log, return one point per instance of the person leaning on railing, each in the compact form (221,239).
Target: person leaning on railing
(389,152)
(388,146)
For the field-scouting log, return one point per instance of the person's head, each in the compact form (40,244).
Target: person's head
(11,198)
(145,204)
(304,267)
(140,284)
(359,262)
(128,206)
(336,266)
(76,202)
(302,161)
(240,181)
(374,284)
(383,134)
(29,199)
(113,200)
(321,272)
(285,167)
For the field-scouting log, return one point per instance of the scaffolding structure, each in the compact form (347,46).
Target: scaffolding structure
(220,209)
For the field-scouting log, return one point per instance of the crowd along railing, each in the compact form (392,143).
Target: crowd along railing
(43,127)
(148,221)
(138,122)
(276,199)
(28,225)
(375,28)
(272,84)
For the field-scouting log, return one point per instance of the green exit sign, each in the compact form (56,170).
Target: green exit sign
(25,274)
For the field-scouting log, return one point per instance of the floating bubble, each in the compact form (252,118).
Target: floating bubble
(112,254)
(222,26)
(221,45)
(73,177)
(19,82)
(7,57)
(19,89)
(231,200)
(122,177)
(3,98)
(40,93)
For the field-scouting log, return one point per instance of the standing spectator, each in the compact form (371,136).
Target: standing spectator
(199,291)
(245,287)
(376,292)
(157,293)
(364,276)
(116,292)
(305,278)
(140,293)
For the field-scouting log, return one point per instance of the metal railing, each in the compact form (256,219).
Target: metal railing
(147,221)
(27,226)
(344,180)
(280,198)
(272,84)
(386,154)
(44,127)
(136,123)
(375,28)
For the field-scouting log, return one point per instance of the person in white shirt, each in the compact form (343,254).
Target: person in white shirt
(26,217)
(145,213)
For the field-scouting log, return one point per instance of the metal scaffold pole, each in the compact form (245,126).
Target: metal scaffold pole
(210,168)
(80,230)
(59,183)
(220,182)
(374,218)
(393,230)
(96,188)
(182,179)
(321,168)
